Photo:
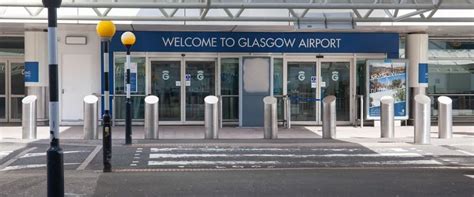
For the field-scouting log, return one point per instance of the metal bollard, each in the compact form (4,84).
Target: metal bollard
(387,121)
(270,130)
(445,117)
(211,119)
(422,119)
(361,102)
(151,117)
(28,120)
(91,120)
(287,111)
(329,117)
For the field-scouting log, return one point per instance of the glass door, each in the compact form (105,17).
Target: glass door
(17,89)
(3,91)
(166,85)
(200,82)
(335,77)
(302,89)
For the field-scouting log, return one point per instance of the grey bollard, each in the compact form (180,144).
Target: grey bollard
(422,119)
(387,122)
(91,120)
(445,117)
(28,119)
(211,119)
(287,111)
(270,130)
(329,117)
(151,117)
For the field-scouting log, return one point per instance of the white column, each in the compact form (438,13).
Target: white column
(416,53)
(36,51)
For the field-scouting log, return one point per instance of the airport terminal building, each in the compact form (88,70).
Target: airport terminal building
(242,51)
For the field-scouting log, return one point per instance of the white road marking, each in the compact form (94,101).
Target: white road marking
(465,152)
(133,164)
(223,149)
(43,154)
(135,161)
(184,155)
(6,164)
(19,167)
(398,149)
(4,154)
(470,176)
(89,158)
(203,162)
(416,162)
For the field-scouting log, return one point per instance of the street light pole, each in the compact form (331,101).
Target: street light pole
(55,163)
(106,30)
(128,39)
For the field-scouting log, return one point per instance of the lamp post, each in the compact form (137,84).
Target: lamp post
(106,30)
(128,40)
(55,163)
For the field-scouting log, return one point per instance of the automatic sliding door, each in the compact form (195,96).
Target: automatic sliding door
(200,82)
(300,90)
(166,84)
(336,80)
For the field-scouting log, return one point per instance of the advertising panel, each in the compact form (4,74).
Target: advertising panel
(387,78)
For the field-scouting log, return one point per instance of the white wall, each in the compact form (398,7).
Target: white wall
(79,70)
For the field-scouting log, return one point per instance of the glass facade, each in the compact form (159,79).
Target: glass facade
(230,89)
(182,83)
(278,86)
(451,73)
(120,91)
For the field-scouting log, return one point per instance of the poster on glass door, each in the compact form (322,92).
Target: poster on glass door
(386,78)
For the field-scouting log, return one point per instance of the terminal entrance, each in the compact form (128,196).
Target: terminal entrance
(181,86)
(309,81)
(12,89)
(182,83)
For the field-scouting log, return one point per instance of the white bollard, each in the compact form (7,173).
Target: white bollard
(329,117)
(151,117)
(91,120)
(422,119)
(211,119)
(387,121)
(270,130)
(28,119)
(445,117)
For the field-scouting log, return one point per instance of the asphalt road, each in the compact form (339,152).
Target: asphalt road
(317,182)
(243,169)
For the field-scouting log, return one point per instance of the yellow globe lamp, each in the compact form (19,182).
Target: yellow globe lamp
(105,29)
(128,39)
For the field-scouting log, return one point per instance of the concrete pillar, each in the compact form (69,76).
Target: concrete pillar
(36,67)
(416,52)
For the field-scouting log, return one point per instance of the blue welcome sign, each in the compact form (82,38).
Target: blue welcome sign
(293,42)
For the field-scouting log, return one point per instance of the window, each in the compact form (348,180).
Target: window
(137,97)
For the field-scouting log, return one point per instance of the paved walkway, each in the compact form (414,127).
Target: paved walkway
(344,133)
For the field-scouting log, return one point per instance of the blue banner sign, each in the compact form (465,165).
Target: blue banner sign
(387,78)
(293,42)
(423,74)
(31,72)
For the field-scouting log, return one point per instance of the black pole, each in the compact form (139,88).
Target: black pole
(106,118)
(128,104)
(54,155)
